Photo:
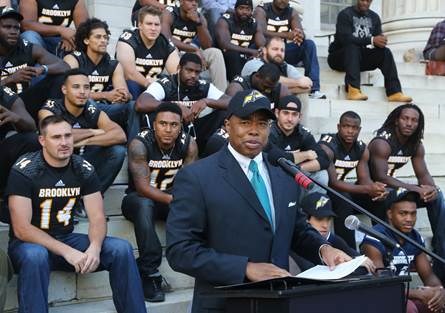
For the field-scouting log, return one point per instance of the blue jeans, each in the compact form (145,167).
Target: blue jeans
(135,89)
(436,216)
(33,263)
(50,43)
(307,53)
(107,162)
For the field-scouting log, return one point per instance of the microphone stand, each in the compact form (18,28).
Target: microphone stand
(378,220)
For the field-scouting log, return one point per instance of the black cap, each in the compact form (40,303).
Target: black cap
(243,2)
(10,12)
(401,194)
(317,204)
(286,100)
(246,102)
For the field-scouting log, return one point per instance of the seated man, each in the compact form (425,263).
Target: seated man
(239,37)
(201,103)
(144,52)
(359,45)
(23,63)
(435,47)
(402,215)
(47,23)
(154,158)
(42,190)
(279,19)
(186,27)
(96,137)
(346,153)
(398,141)
(273,52)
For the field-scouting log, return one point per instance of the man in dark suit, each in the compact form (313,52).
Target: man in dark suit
(234,217)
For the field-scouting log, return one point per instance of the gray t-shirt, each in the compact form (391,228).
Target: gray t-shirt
(254,65)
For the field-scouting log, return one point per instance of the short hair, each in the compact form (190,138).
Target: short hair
(190,57)
(167,107)
(270,39)
(84,31)
(148,10)
(269,70)
(350,114)
(50,120)
(73,72)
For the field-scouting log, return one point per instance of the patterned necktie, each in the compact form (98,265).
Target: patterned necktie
(260,188)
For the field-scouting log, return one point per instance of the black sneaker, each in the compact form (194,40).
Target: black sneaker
(153,289)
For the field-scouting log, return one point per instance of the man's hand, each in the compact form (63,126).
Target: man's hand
(203,60)
(263,271)
(187,114)
(197,107)
(193,15)
(92,261)
(67,34)
(332,256)
(24,74)
(369,265)
(433,297)
(304,82)
(76,258)
(114,96)
(7,116)
(377,191)
(125,95)
(380,41)
(298,36)
(428,193)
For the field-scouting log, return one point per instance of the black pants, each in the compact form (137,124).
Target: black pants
(13,147)
(234,63)
(143,213)
(354,59)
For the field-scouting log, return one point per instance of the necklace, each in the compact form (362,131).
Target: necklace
(167,155)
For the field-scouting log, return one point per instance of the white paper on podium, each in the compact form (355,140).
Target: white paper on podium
(322,272)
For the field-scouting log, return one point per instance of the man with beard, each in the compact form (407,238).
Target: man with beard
(236,33)
(273,52)
(144,52)
(346,153)
(277,18)
(201,103)
(398,141)
(23,61)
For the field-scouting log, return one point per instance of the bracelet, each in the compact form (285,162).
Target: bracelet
(45,69)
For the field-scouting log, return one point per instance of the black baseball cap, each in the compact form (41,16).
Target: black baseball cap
(285,101)
(402,194)
(10,12)
(317,204)
(247,102)
(243,2)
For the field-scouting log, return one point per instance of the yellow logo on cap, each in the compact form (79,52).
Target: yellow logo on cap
(401,190)
(252,97)
(321,202)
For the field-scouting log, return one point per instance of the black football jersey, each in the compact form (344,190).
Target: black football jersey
(18,58)
(100,75)
(182,95)
(7,98)
(54,192)
(400,154)
(149,62)
(56,12)
(344,161)
(88,118)
(278,23)
(182,30)
(163,164)
(241,34)
(246,83)
(300,140)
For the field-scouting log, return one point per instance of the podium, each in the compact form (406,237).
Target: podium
(290,295)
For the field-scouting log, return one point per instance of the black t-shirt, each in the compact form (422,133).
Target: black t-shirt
(54,192)
(88,118)
(100,75)
(301,139)
(56,12)
(149,62)
(19,57)
(344,161)
(7,99)
(400,154)
(216,141)
(181,29)
(241,34)
(163,164)
(278,22)
(246,83)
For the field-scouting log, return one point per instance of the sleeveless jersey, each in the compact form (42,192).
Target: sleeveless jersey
(56,12)
(149,62)
(18,58)
(400,154)
(54,192)
(100,75)
(7,98)
(344,161)
(163,164)
(88,118)
(301,138)
(241,34)
(182,30)
(246,83)
(277,23)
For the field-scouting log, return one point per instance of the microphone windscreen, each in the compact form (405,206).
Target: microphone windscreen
(352,222)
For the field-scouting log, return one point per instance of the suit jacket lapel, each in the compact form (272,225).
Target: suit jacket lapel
(235,176)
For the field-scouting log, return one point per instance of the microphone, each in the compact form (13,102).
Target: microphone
(353,223)
(276,158)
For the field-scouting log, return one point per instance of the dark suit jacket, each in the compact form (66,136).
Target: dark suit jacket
(216,225)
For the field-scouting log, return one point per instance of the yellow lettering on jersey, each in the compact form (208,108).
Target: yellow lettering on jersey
(242,37)
(60,13)
(59,192)
(165,164)
(149,62)
(12,70)
(346,164)
(187,104)
(183,33)
(98,79)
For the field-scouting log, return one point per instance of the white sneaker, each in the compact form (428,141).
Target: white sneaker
(317,94)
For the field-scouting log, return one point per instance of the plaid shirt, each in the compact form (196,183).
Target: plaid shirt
(436,38)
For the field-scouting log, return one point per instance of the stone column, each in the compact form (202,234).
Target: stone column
(408,23)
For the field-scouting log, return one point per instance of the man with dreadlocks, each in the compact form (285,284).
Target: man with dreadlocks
(398,141)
